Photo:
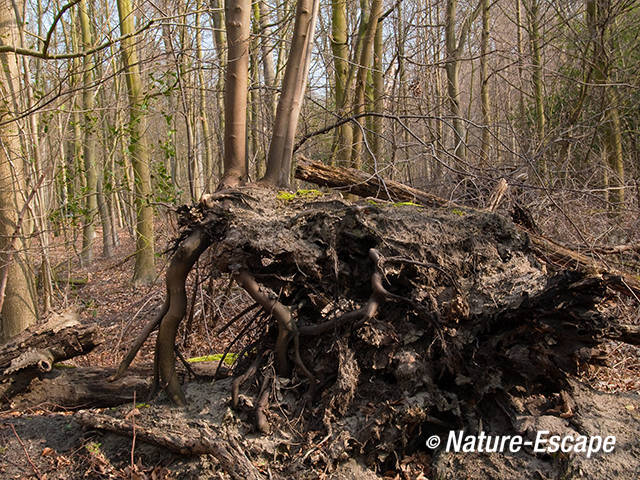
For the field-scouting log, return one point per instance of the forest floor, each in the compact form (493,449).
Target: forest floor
(48,444)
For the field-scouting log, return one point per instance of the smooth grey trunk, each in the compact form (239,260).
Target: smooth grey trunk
(238,23)
(293,87)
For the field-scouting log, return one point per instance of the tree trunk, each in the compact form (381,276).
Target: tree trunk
(532,7)
(267,60)
(599,24)
(254,155)
(484,83)
(521,107)
(138,148)
(366,54)
(378,91)
(108,248)
(207,164)
(454,45)
(89,141)
(219,38)
(170,146)
(19,308)
(183,73)
(238,23)
(293,88)
(452,69)
(340,48)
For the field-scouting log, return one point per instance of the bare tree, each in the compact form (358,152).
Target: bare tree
(89,141)
(17,302)
(455,42)
(293,88)
(138,147)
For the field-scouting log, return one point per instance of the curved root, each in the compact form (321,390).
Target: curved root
(181,263)
(361,315)
(262,405)
(286,324)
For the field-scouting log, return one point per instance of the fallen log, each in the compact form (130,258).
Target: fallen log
(66,387)
(69,388)
(40,346)
(30,378)
(182,440)
(365,184)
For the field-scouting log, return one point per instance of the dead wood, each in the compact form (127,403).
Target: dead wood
(184,441)
(66,387)
(71,388)
(42,345)
(364,184)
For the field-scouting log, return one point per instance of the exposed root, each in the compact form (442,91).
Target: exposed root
(249,309)
(250,372)
(286,324)
(186,364)
(361,315)
(181,263)
(192,309)
(298,359)
(235,340)
(262,405)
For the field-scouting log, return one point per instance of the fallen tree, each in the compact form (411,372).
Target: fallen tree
(31,376)
(399,319)
(61,338)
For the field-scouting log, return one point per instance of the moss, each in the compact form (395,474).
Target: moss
(301,193)
(457,211)
(63,365)
(229,359)
(286,196)
(406,204)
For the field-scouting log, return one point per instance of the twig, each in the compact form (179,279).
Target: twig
(34,468)
(233,342)
(186,364)
(133,426)
(237,317)
(63,56)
